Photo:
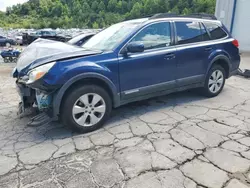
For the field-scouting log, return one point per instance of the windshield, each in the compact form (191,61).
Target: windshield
(110,37)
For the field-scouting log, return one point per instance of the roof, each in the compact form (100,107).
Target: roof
(166,16)
(140,20)
(196,15)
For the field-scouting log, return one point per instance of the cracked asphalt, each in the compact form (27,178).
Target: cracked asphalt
(181,140)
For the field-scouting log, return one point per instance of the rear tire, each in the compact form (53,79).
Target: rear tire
(215,81)
(86,108)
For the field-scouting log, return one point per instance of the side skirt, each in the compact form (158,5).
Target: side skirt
(161,93)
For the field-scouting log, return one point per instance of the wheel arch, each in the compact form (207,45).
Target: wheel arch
(91,78)
(223,61)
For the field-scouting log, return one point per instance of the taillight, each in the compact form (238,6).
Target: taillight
(236,43)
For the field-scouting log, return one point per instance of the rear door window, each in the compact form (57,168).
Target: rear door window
(205,35)
(188,32)
(216,32)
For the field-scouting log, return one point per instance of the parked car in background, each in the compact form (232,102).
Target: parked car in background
(19,39)
(45,34)
(129,61)
(4,41)
(81,39)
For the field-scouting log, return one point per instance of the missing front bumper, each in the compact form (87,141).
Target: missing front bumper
(43,100)
(31,98)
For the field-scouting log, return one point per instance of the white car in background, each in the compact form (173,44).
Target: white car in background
(19,39)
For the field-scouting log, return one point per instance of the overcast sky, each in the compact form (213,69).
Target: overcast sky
(7,3)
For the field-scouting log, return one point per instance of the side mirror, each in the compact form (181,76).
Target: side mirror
(135,47)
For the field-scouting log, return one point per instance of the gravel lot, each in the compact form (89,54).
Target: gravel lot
(181,140)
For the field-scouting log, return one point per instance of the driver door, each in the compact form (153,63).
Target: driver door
(152,70)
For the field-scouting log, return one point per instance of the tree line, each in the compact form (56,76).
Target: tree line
(93,13)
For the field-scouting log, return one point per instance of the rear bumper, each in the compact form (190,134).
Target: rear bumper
(232,73)
(235,64)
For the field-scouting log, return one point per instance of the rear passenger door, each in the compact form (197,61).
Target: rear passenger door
(192,52)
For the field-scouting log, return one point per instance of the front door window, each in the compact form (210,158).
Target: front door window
(154,36)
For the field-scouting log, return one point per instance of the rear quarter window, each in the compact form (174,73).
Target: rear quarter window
(216,32)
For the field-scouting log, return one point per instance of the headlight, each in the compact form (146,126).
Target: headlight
(39,72)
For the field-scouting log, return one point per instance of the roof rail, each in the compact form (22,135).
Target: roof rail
(164,15)
(196,15)
(203,15)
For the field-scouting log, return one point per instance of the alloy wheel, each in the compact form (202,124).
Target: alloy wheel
(89,109)
(215,82)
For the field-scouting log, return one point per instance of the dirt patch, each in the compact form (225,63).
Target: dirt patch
(6,68)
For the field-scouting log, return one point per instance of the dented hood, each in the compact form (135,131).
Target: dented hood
(43,51)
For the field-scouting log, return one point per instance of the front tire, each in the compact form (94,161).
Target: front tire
(86,108)
(215,81)
(6,60)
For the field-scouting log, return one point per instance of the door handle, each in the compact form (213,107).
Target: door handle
(169,56)
(208,48)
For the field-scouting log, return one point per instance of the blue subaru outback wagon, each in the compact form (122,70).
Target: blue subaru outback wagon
(129,61)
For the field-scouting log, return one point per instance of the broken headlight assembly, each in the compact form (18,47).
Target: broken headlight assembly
(38,72)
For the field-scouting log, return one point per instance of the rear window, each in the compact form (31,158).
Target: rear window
(215,31)
(188,32)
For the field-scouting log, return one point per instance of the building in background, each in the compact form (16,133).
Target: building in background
(235,14)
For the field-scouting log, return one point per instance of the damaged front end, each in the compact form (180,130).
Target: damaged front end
(39,74)
(33,99)
(34,92)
